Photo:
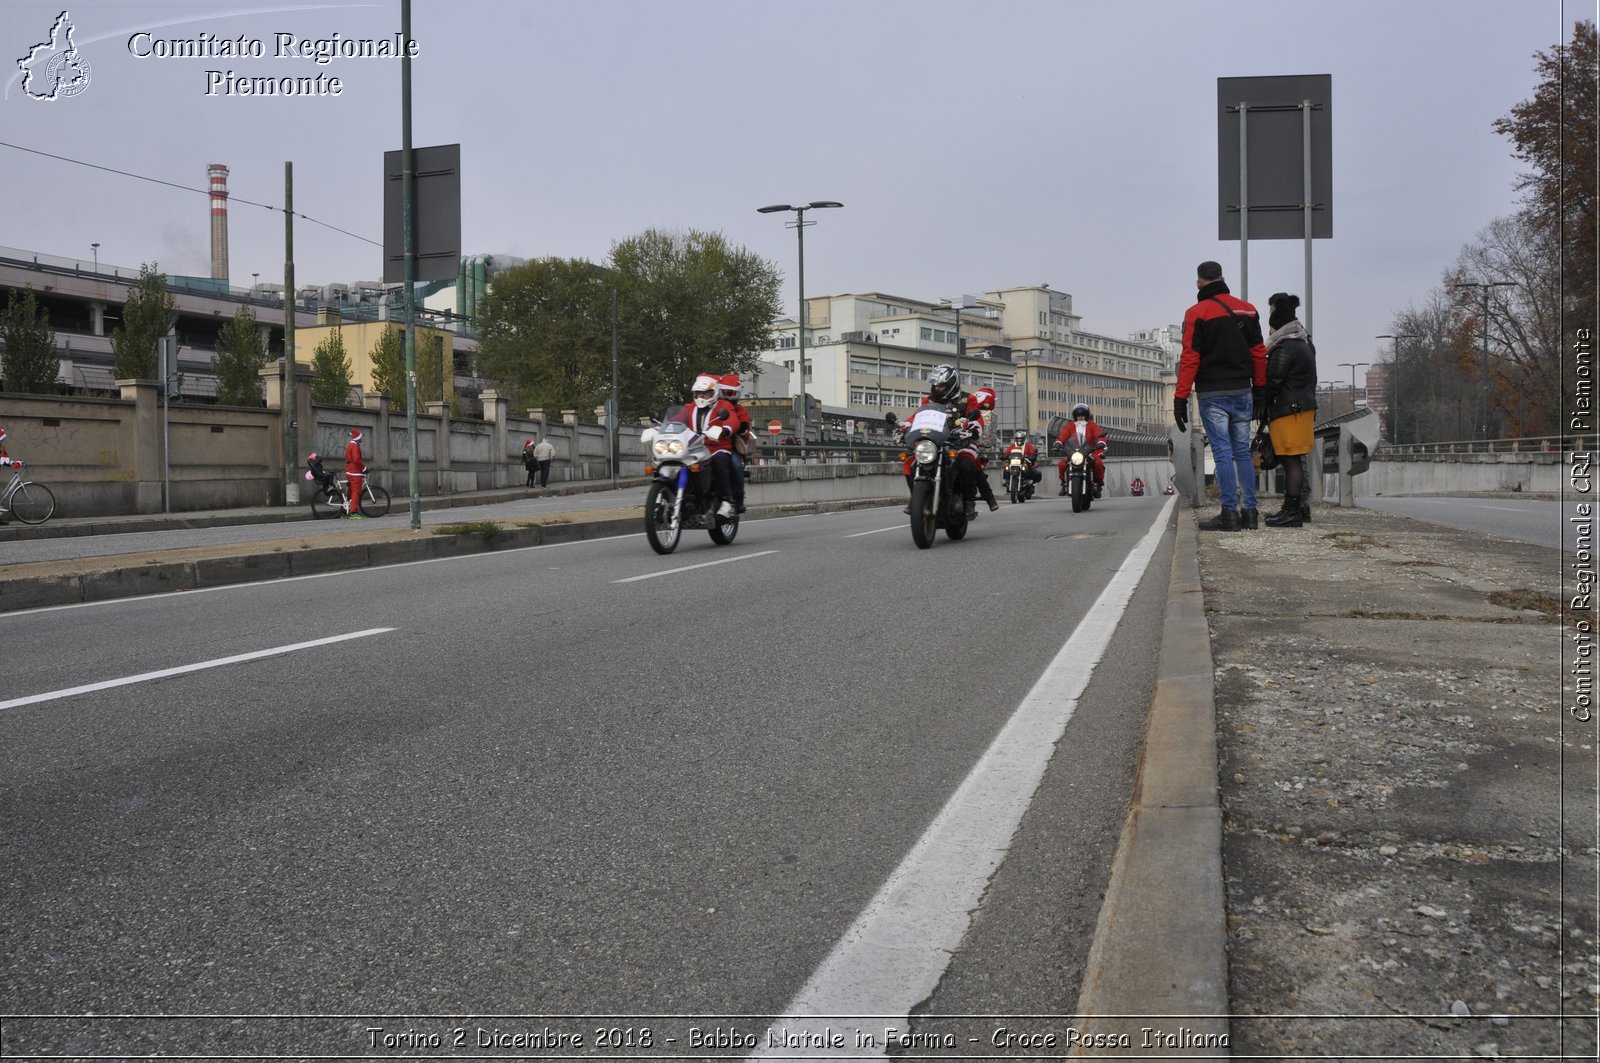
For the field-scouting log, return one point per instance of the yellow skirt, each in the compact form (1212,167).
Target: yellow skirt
(1291,435)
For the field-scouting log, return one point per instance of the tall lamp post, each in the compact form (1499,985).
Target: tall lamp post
(96,246)
(799,224)
(1394,382)
(1353,366)
(1484,286)
(951,304)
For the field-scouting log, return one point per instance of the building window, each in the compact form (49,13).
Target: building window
(927,333)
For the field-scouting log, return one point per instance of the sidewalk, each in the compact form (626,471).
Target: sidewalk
(1394,762)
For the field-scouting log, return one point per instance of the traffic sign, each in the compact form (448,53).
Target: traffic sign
(775,427)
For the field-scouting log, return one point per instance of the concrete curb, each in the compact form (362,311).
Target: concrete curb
(180,573)
(1160,945)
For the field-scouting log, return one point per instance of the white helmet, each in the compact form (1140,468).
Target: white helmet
(705,390)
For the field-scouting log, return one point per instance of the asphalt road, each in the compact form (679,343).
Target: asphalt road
(574,780)
(1526,520)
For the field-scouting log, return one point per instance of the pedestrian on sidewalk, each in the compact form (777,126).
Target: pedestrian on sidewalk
(1290,410)
(355,472)
(543,454)
(6,462)
(529,462)
(1224,362)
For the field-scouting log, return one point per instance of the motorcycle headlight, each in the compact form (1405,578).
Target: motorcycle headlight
(664,449)
(1077,457)
(926,451)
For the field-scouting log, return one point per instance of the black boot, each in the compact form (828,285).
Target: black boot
(1063,488)
(1288,518)
(1227,520)
(1250,519)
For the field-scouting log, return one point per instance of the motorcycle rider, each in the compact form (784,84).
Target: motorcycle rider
(717,420)
(1030,455)
(729,389)
(1082,431)
(944,389)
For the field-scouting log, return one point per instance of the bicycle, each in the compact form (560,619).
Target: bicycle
(329,500)
(29,502)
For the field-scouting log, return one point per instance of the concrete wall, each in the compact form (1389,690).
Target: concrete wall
(104,457)
(1452,474)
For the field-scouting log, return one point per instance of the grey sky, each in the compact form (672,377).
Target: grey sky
(1071,142)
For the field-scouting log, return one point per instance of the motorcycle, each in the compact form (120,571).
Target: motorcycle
(934,437)
(1019,477)
(1080,476)
(1136,489)
(683,492)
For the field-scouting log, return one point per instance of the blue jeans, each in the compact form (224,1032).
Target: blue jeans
(1227,420)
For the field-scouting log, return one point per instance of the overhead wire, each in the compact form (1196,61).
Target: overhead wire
(185,188)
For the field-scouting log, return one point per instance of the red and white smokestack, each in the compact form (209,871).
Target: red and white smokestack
(219,220)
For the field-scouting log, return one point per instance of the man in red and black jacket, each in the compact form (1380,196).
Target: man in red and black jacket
(1224,362)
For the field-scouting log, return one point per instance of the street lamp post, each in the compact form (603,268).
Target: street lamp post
(1484,286)
(1353,366)
(1394,381)
(96,246)
(799,225)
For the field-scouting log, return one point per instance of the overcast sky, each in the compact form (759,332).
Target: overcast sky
(974,146)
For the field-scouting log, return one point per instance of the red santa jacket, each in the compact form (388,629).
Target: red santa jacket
(720,414)
(1091,434)
(354,463)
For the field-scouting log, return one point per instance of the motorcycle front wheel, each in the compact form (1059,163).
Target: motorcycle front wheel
(660,525)
(923,526)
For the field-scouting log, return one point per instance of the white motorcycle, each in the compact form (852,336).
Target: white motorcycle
(683,491)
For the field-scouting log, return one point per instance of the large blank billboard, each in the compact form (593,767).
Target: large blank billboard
(1275,143)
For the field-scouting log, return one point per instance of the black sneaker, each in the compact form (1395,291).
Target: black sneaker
(1250,519)
(1287,519)
(993,505)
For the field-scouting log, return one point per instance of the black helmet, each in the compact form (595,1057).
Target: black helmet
(944,383)
(1083,408)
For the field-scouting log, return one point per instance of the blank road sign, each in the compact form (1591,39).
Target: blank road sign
(1275,143)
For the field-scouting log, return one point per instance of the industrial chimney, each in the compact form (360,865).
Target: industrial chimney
(219,220)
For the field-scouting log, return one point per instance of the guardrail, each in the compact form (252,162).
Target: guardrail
(1518,445)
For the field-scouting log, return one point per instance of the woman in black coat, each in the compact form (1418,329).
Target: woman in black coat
(1291,403)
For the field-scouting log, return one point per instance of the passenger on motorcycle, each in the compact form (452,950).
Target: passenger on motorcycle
(717,420)
(1082,432)
(729,389)
(944,389)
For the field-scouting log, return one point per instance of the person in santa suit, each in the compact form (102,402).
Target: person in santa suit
(716,419)
(1083,432)
(944,389)
(355,470)
(1029,452)
(743,437)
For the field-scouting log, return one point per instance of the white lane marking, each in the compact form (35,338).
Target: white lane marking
(691,568)
(181,669)
(894,954)
(875,531)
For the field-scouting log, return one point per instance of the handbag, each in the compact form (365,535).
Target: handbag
(1262,456)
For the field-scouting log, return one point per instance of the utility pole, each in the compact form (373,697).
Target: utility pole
(291,406)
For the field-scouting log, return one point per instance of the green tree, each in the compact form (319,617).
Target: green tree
(240,358)
(689,303)
(330,371)
(686,303)
(430,364)
(31,363)
(149,314)
(389,366)
(545,334)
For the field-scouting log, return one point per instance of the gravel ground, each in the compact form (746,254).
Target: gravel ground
(1409,841)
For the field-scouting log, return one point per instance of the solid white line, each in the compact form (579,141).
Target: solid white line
(894,954)
(180,670)
(691,568)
